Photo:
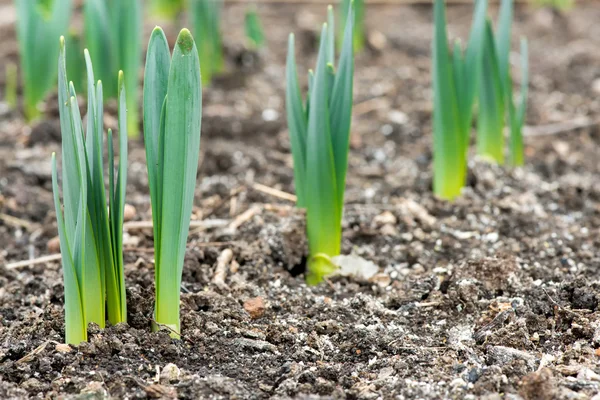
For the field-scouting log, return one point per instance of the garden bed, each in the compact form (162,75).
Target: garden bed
(495,294)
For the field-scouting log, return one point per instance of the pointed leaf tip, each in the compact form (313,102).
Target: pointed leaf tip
(185,41)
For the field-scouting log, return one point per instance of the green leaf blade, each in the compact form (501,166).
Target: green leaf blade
(323,211)
(297,123)
(181,150)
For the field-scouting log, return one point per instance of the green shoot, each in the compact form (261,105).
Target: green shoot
(320,134)
(359,22)
(166,8)
(206,26)
(455,84)
(10,85)
(496,95)
(516,114)
(112,34)
(90,233)
(39,23)
(75,59)
(254,30)
(560,5)
(172,117)
(490,119)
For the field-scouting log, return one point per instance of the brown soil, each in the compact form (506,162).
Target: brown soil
(493,296)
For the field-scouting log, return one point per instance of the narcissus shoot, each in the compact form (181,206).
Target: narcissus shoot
(359,22)
(455,85)
(206,26)
(113,37)
(254,30)
(166,8)
(39,24)
(172,116)
(319,134)
(90,230)
(495,93)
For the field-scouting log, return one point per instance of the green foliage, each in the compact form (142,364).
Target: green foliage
(496,96)
(90,232)
(254,30)
(455,85)
(359,22)
(166,8)
(10,85)
(206,26)
(173,99)
(561,5)
(516,113)
(39,24)
(75,59)
(113,36)
(319,134)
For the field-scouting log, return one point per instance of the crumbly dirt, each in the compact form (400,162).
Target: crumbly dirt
(493,296)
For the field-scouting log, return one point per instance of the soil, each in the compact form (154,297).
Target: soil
(492,296)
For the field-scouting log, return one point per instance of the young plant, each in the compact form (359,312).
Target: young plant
(516,113)
(172,116)
(206,26)
(166,8)
(75,59)
(492,100)
(10,85)
(39,23)
(359,22)
(560,5)
(112,35)
(254,30)
(495,93)
(90,233)
(319,135)
(455,84)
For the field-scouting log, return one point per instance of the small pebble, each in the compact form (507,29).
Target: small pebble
(255,307)
(170,373)
(53,245)
(129,212)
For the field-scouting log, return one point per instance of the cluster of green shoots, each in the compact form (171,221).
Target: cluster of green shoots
(90,230)
(478,76)
(112,35)
(90,227)
(39,24)
(319,134)
(359,22)
(172,117)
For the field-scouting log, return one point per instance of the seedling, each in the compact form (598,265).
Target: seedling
(254,30)
(206,26)
(495,93)
(455,84)
(172,116)
(166,8)
(39,24)
(359,22)
(112,35)
(75,59)
(90,233)
(516,113)
(10,85)
(319,134)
